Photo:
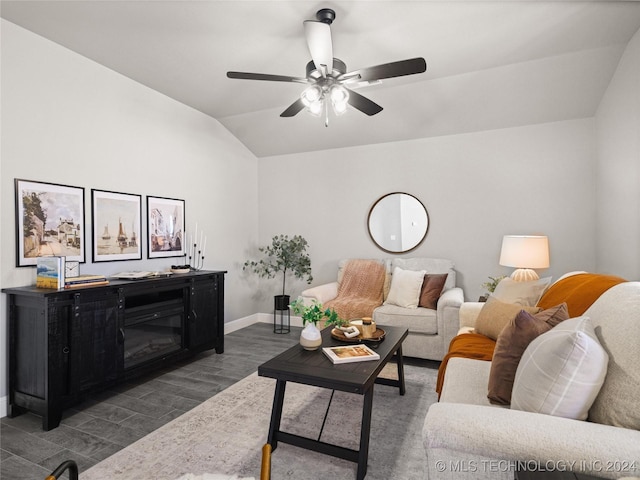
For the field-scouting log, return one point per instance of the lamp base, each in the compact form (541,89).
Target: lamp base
(524,275)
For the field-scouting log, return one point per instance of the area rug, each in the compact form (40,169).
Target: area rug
(225,434)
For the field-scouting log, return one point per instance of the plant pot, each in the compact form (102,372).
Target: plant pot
(281,302)
(310,337)
(281,314)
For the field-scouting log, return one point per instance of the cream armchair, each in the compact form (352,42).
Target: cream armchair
(430,330)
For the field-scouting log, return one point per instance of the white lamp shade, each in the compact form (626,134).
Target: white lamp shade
(525,251)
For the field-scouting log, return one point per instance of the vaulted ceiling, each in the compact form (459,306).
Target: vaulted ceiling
(490,65)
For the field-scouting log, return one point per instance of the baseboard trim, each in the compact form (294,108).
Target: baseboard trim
(239,323)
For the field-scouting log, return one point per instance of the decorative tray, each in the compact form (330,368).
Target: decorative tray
(377,336)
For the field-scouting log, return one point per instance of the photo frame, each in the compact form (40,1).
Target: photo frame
(116,220)
(165,227)
(49,221)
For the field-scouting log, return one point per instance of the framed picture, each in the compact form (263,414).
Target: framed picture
(49,221)
(166,227)
(117,223)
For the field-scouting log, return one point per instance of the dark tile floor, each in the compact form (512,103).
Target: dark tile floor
(111,420)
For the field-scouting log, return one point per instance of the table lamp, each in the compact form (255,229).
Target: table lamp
(525,252)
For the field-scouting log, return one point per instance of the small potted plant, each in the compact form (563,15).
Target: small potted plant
(310,337)
(287,256)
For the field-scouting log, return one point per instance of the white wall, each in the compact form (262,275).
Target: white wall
(618,169)
(477,187)
(68,120)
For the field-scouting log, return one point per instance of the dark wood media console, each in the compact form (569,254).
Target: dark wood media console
(67,344)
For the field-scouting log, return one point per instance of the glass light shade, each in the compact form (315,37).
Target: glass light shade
(311,95)
(339,97)
(339,94)
(339,108)
(315,108)
(525,252)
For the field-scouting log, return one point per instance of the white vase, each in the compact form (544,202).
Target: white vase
(310,337)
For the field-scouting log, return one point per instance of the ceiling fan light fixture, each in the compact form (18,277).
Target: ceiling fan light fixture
(339,94)
(315,108)
(339,97)
(311,95)
(339,108)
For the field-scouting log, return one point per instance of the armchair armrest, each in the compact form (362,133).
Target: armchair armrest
(321,293)
(473,432)
(453,297)
(448,315)
(469,312)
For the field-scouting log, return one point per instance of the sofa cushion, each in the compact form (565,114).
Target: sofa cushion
(616,318)
(405,288)
(432,287)
(561,371)
(511,344)
(430,265)
(523,293)
(495,315)
(465,381)
(466,345)
(417,320)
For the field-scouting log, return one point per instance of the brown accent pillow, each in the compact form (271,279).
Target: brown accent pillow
(512,343)
(431,290)
(495,315)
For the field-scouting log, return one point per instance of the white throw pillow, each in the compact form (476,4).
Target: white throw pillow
(561,371)
(522,293)
(405,288)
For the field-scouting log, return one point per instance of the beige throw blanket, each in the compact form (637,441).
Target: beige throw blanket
(360,290)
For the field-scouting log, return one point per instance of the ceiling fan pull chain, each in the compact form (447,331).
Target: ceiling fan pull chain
(326,114)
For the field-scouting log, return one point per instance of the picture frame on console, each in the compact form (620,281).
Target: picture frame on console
(116,219)
(49,221)
(166,234)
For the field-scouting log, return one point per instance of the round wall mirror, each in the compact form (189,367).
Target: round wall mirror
(398,222)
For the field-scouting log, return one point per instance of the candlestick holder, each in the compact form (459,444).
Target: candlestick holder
(195,251)
(196,260)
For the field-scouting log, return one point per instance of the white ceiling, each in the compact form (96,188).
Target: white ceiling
(489,64)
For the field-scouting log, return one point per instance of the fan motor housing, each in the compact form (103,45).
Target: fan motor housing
(339,67)
(326,15)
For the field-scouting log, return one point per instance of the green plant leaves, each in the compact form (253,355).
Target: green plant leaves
(286,255)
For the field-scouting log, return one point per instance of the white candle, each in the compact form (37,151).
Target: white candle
(195,237)
(204,244)
(201,237)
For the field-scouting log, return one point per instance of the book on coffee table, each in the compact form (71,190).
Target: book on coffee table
(350,353)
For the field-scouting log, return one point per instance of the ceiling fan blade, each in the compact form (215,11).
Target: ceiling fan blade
(293,109)
(265,76)
(363,103)
(320,46)
(389,70)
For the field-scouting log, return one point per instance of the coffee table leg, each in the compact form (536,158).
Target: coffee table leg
(276,413)
(365,429)
(400,362)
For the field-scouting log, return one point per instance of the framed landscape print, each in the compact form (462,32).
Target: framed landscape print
(117,223)
(166,227)
(49,221)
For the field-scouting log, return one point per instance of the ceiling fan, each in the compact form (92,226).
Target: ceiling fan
(327,77)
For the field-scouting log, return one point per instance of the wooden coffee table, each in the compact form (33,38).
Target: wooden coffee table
(314,368)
